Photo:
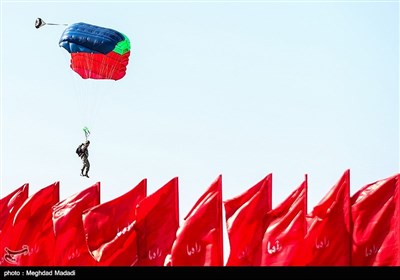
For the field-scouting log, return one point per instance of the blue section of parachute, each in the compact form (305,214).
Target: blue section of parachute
(83,37)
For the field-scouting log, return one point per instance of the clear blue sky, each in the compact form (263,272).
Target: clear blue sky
(240,89)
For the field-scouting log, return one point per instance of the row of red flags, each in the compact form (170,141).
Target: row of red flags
(136,229)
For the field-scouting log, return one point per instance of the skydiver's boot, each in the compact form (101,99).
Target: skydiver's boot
(82,172)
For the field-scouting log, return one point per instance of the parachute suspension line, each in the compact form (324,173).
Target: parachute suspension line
(93,89)
(108,69)
(40,22)
(102,68)
(82,90)
(105,70)
(114,67)
(78,89)
(75,87)
(89,65)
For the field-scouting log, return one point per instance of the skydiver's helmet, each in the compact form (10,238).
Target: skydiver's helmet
(87,142)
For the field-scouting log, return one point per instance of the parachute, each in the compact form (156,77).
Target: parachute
(96,52)
(40,22)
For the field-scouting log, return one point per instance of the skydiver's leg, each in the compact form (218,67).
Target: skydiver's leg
(83,166)
(87,167)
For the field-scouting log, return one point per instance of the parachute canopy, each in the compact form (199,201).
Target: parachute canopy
(96,52)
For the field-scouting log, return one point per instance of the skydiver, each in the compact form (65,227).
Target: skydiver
(84,154)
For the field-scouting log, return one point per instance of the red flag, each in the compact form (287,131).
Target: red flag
(10,204)
(70,243)
(285,230)
(242,214)
(328,240)
(199,239)
(157,219)
(29,241)
(109,231)
(376,231)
